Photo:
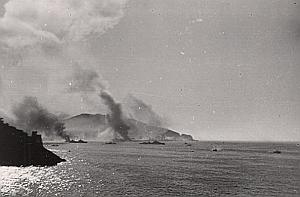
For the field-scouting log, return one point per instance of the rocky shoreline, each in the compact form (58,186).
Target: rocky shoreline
(17,148)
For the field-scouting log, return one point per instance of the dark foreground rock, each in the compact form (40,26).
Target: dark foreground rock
(19,149)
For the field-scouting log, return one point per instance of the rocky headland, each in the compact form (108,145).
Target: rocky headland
(17,148)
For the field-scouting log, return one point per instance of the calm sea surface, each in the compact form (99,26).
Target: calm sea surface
(132,169)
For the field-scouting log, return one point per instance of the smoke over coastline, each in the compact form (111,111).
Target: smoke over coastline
(45,39)
(115,118)
(85,81)
(41,40)
(30,115)
(143,112)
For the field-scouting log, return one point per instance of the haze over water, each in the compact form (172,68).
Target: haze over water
(129,168)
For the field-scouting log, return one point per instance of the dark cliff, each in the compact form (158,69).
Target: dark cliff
(19,149)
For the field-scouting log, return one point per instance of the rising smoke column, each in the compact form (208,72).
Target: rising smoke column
(85,80)
(115,119)
(30,115)
(48,37)
(143,112)
(43,39)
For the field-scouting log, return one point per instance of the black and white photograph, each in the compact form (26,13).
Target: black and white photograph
(149,98)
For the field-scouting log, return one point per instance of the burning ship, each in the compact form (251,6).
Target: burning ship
(19,149)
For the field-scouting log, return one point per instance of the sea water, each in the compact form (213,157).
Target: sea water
(174,169)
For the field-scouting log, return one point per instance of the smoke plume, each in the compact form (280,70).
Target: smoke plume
(29,22)
(41,40)
(85,81)
(139,110)
(115,119)
(30,115)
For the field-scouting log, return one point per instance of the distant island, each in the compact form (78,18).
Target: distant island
(19,149)
(95,126)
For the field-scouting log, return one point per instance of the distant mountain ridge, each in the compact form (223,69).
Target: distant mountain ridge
(85,125)
(96,127)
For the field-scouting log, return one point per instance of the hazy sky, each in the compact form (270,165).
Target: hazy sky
(219,70)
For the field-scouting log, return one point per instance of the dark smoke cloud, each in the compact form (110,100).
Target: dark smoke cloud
(139,110)
(88,81)
(30,115)
(115,118)
(84,81)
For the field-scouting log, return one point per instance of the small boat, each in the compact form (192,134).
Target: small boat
(216,149)
(154,142)
(277,151)
(110,143)
(78,141)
